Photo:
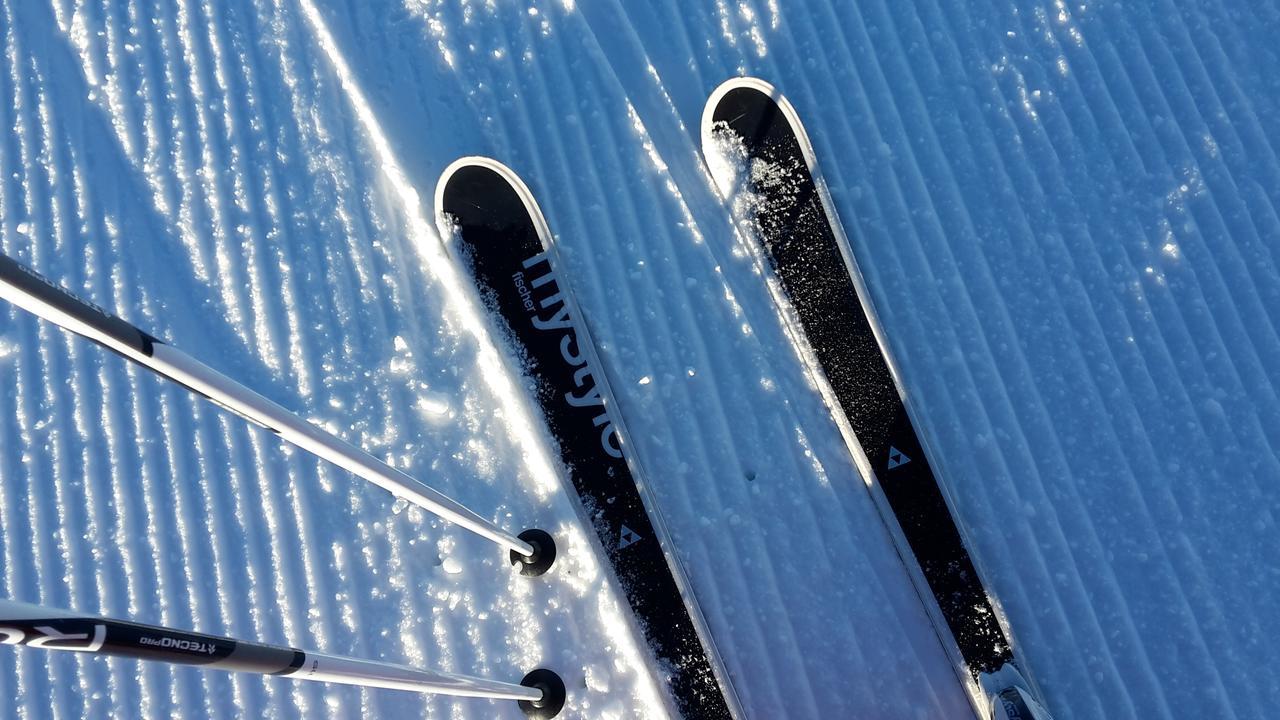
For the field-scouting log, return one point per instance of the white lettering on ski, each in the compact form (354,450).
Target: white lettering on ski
(572,353)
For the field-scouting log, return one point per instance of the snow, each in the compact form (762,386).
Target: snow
(1065,213)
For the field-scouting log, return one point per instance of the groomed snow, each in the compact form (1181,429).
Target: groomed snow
(1065,212)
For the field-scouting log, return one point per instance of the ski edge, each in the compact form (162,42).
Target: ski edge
(587,346)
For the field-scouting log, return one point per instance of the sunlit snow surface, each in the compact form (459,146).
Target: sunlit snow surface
(1066,213)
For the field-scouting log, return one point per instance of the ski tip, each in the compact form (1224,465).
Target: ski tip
(553,695)
(726,87)
(735,97)
(473,169)
(451,175)
(467,162)
(544,553)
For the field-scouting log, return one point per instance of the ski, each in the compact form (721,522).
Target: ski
(764,167)
(541,694)
(494,227)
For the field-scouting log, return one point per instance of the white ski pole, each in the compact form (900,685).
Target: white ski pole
(22,286)
(541,694)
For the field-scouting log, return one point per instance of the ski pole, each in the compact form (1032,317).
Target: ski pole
(22,286)
(540,694)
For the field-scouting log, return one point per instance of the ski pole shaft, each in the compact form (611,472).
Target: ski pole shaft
(54,629)
(29,290)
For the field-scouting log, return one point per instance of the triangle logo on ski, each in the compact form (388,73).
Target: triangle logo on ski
(897,458)
(493,225)
(824,298)
(627,538)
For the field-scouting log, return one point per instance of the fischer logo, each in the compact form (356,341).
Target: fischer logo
(168,643)
(570,350)
(51,638)
(526,295)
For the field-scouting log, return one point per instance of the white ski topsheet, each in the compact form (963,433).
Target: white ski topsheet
(1066,213)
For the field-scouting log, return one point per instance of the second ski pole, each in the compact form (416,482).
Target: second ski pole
(541,694)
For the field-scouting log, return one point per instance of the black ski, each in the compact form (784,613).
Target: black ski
(791,215)
(497,230)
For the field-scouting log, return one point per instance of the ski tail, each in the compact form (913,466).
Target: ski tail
(765,168)
(491,221)
(1011,696)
